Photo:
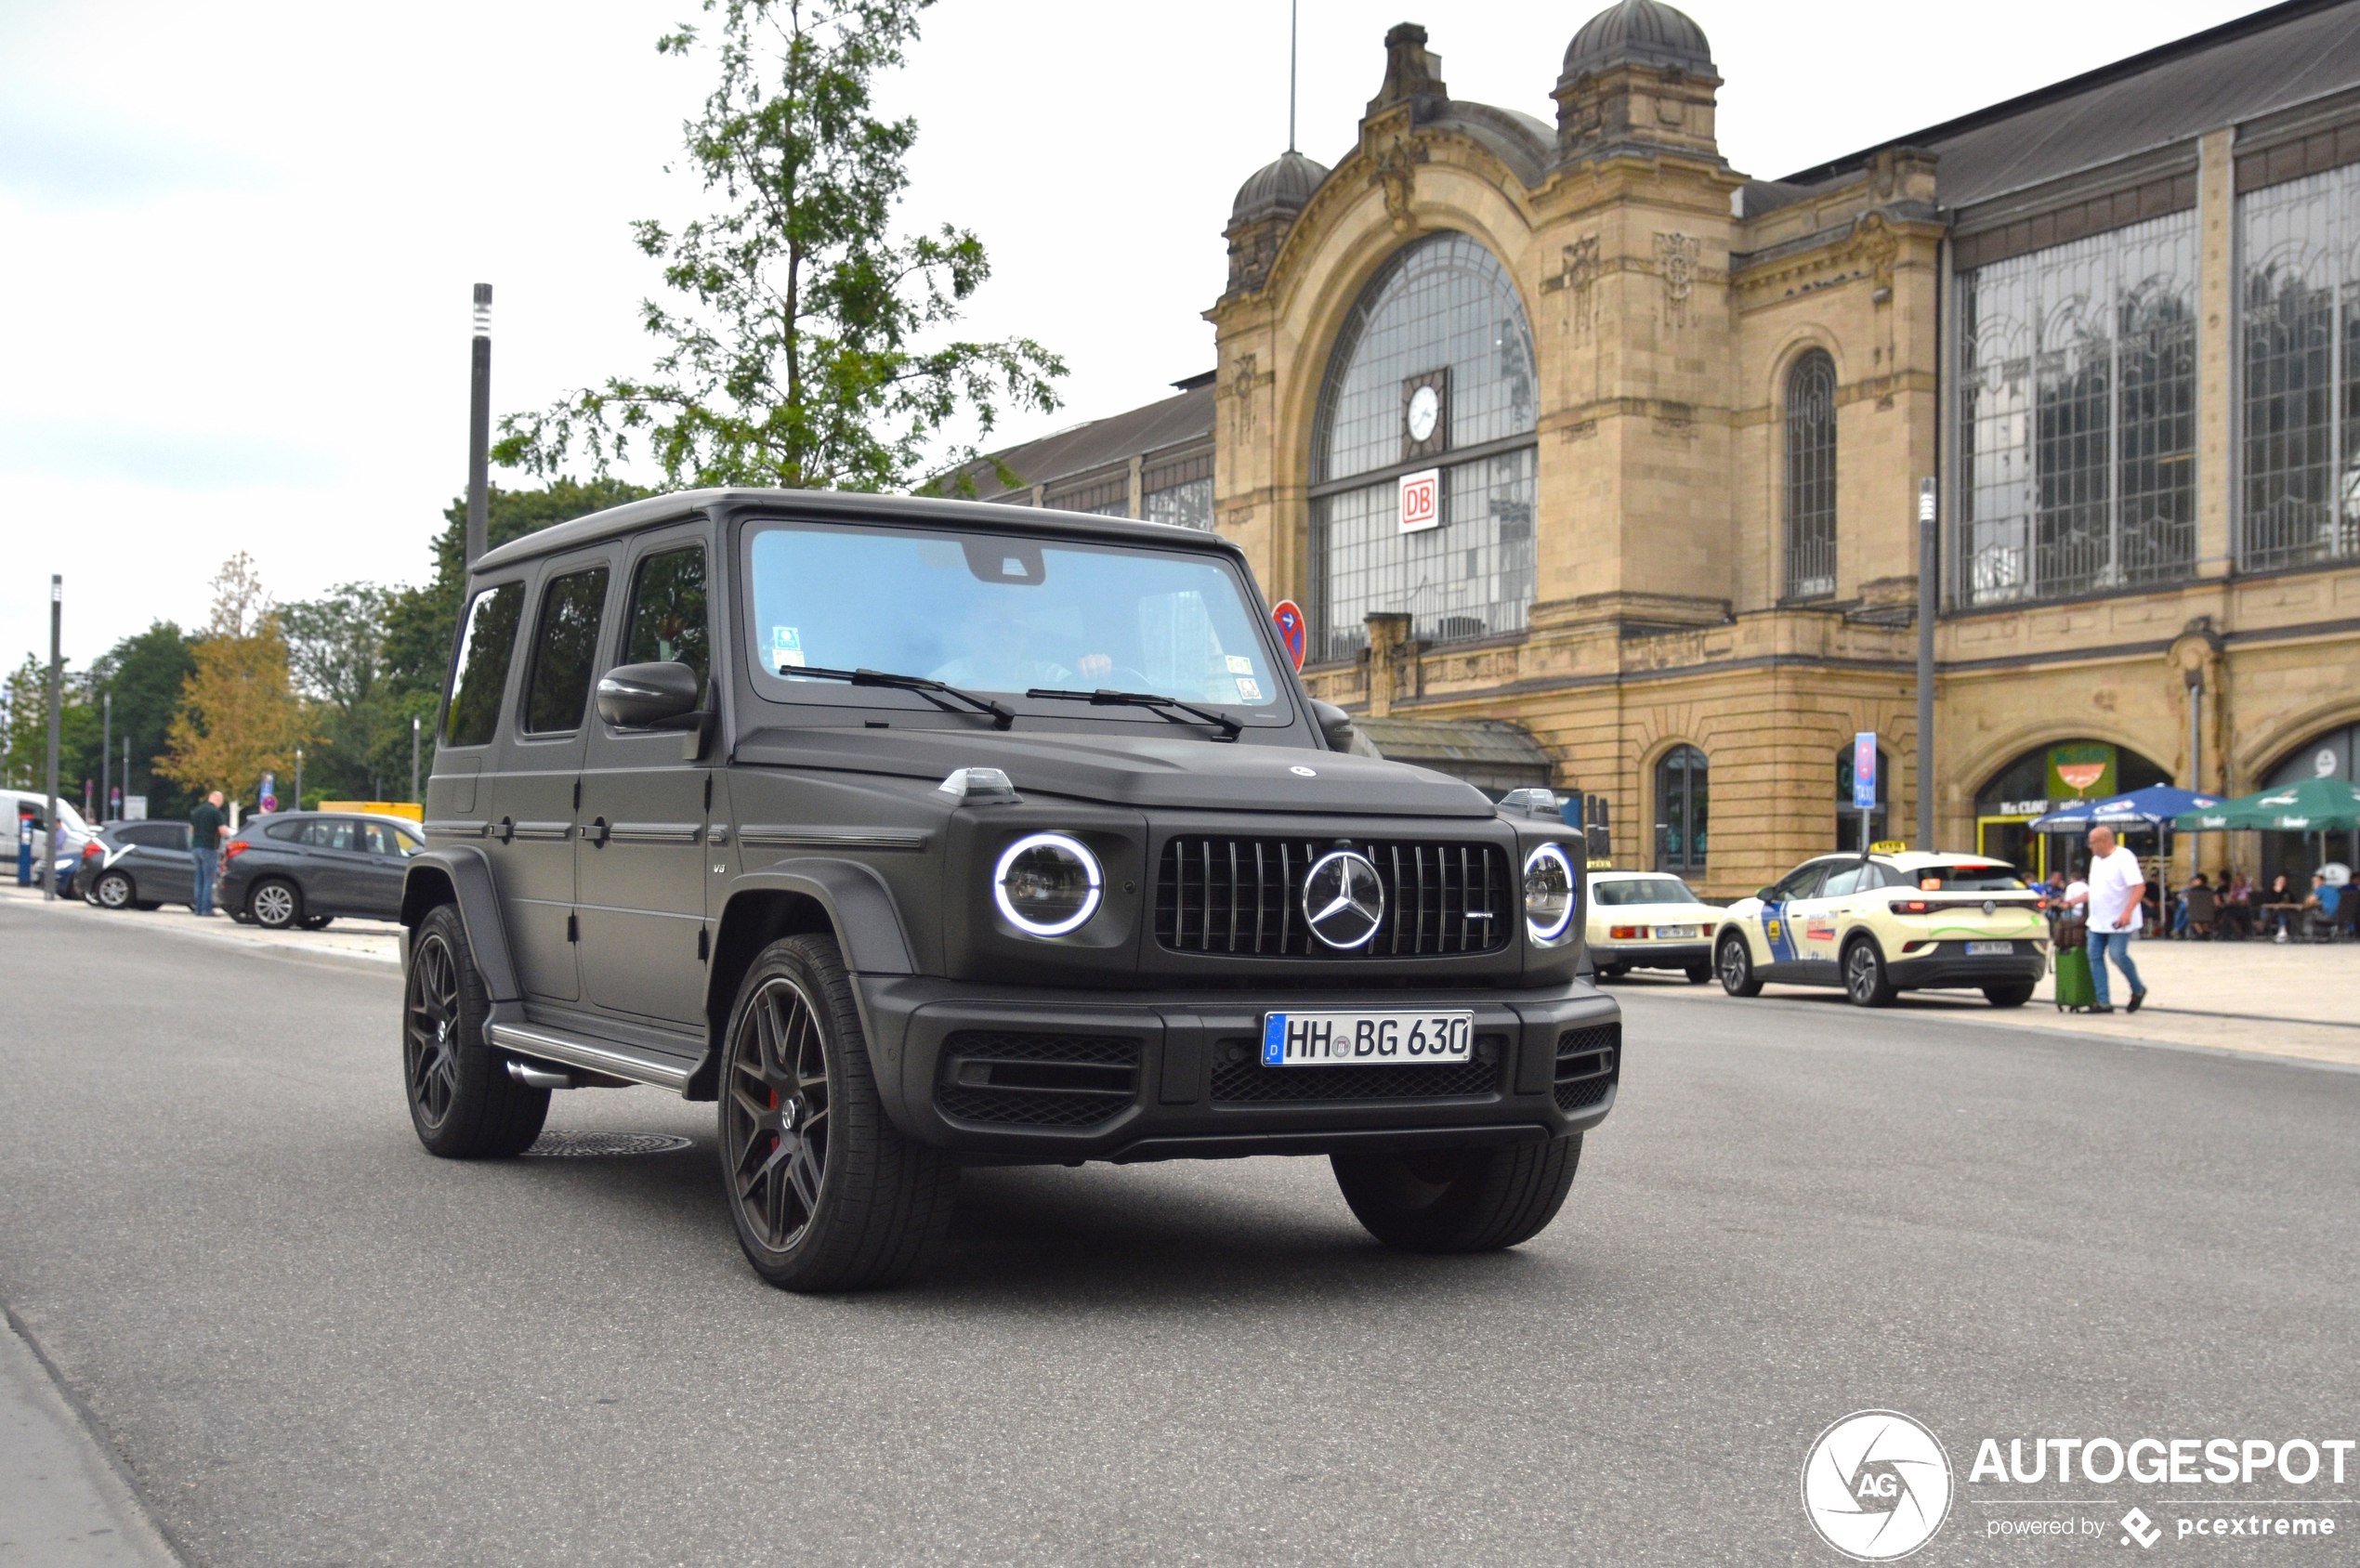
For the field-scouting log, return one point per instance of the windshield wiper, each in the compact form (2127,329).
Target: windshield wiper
(1230,728)
(1003,716)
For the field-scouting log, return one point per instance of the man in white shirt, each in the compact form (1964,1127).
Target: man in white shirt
(2116,890)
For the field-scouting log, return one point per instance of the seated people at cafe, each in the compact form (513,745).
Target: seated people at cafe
(2180,916)
(2199,908)
(2281,902)
(2319,910)
(2236,905)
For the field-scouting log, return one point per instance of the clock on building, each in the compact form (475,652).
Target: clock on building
(1425,415)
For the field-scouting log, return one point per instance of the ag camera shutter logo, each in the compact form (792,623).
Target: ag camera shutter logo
(1876,1485)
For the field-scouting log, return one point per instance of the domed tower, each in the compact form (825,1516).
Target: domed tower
(1638,78)
(1266,204)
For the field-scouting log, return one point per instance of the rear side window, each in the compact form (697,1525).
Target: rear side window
(563,647)
(284,830)
(1849,879)
(329,834)
(1969,879)
(483,665)
(1803,884)
(380,838)
(668,621)
(158,835)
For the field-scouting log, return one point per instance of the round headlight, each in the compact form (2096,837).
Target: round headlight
(1047,884)
(1548,894)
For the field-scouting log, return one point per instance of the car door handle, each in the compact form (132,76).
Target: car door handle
(504,829)
(597,831)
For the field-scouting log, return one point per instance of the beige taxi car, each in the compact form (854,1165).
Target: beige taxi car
(1649,920)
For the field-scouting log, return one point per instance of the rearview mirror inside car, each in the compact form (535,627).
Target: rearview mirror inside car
(649,695)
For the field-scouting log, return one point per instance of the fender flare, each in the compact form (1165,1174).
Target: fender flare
(858,901)
(466,871)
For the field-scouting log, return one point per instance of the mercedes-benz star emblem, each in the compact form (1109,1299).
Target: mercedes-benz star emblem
(1343,899)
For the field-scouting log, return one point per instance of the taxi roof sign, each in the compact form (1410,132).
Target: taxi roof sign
(1888,846)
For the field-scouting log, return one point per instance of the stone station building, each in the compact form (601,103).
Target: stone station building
(1677,420)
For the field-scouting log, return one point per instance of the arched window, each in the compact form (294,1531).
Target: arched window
(1848,816)
(1811,477)
(1681,799)
(1434,361)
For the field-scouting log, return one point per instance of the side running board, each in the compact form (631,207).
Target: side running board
(597,1056)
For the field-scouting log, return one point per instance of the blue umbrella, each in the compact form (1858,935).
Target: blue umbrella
(2153,806)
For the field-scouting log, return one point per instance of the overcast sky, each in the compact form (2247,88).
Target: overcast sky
(239,240)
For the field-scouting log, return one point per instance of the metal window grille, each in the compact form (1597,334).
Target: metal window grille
(1682,795)
(2078,416)
(1106,493)
(1441,303)
(1811,477)
(1177,488)
(2301,321)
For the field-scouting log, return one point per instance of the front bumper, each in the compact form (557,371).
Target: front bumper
(1028,1075)
(1948,963)
(1653,955)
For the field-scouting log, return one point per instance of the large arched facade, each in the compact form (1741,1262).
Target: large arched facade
(1432,374)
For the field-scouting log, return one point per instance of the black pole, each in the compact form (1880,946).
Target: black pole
(479,425)
(414,758)
(106,757)
(1929,602)
(57,694)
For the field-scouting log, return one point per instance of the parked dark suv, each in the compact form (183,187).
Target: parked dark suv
(920,834)
(137,866)
(306,868)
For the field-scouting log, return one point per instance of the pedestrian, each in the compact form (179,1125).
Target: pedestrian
(2117,890)
(208,825)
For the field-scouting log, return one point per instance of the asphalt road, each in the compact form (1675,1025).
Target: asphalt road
(310,1343)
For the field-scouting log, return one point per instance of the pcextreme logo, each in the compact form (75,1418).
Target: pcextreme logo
(1876,1485)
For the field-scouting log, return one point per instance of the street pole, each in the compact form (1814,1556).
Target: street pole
(298,779)
(414,757)
(2195,749)
(106,756)
(56,698)
(479,426)
(1929,602)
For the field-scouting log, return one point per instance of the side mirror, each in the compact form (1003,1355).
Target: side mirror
(648,696)
(1335,724)
(1762,894)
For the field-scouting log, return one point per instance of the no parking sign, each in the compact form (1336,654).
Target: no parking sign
(1288,616)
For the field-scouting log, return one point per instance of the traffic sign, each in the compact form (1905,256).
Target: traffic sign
(1288,616)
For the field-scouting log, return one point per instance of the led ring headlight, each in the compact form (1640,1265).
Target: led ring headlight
(1047,884)
(1548,894)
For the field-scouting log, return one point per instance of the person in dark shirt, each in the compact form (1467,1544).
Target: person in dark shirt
(208,826)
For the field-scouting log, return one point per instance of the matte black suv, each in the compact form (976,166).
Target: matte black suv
(926,833)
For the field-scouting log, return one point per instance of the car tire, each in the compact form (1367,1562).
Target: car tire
(113,890)
(1614,971)
(1734,961)
(317,922)
(462,1101)
(2008,995)
(1459,1200)
(1865,980)
(826,1198)
(276,904)
(1698,973)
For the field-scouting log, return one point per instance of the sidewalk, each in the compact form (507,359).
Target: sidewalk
(63,1504)
(376,944)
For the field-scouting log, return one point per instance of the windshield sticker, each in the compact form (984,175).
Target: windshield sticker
(786,648)
(1248,691)
(1241,665)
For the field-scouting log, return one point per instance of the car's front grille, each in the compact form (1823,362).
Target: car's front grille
(1239,1076)
(1215,893)
(1021,1080)
(1587,1063)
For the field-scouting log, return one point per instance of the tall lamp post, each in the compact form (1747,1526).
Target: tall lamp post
(479,426)
(106,757)
(57,694)
(413,758)
(1929,603)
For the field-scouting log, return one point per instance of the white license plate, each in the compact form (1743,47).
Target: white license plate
(1365,1039)
(1990,950)
(1675,932)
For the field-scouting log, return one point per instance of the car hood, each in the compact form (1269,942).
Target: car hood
(1203,775)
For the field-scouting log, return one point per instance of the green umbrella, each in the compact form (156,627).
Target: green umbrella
(2316,805)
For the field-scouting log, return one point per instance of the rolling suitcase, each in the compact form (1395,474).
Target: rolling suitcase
(2074,990)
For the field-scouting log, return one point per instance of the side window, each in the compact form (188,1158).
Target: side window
(1803,884)
(668,621)
(1851,879)
(328,834)
(284,830)
(483,665)
(379,839)
(564,647)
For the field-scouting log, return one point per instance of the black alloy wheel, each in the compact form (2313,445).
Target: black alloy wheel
(462,1101)
(825,1192)
(1459,1200)
(275,903)
(1865,980)
(112,891)
(1735,963)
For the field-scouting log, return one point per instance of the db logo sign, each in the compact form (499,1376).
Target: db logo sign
(1420,499)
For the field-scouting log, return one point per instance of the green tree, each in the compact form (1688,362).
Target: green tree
(145,673)
(802,351)
(337,654)
(26,758)
(238,717)
(421,623)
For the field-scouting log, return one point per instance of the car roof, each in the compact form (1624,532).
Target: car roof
(1604,875)
(965,516)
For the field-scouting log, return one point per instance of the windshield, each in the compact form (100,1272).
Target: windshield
(986,612)
(1642,890)
(1966,879)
